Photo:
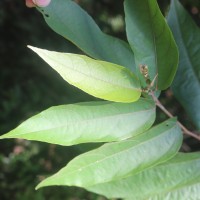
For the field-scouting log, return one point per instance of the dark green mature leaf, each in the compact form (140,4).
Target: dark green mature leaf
(178,178)
(151,40)
(67,19)
(115,160)
(87,122)
(101,79)
(186,85)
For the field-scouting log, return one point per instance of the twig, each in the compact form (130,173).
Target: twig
(184,129)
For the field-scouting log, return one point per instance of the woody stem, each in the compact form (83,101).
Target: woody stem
(184,129)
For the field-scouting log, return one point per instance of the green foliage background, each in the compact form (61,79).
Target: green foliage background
(28,86)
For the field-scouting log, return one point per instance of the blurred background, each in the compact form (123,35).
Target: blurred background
(28,86)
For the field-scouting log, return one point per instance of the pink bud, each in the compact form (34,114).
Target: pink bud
(41,3)
(30,4)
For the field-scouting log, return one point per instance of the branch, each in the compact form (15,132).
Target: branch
(184,129)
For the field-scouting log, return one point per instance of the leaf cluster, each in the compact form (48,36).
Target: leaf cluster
(138,161)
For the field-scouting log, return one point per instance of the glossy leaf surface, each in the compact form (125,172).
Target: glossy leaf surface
(69,20)
(115,160)
(151,40)
(186,85)
(87,122)
(178,178)
(98,78)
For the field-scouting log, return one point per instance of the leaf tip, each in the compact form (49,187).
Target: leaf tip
(32,48)
(3,136)
(38,51)
(38,187)
(44,183)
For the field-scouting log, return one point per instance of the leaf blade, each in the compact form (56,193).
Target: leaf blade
(107,162)
(151,40)
(67,19)
(186,85)
(87,122)
(168,180)
(101,79)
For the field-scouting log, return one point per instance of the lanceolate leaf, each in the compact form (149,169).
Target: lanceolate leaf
(101,79)
(151,40)
(67,19)
(178,178)
(87,122)
(186,85)
(115,160)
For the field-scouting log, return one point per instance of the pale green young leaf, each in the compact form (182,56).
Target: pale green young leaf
(68,19)
(186,85)
(98,78)
(116,160)
(178,178)
(151,40)
(87,122)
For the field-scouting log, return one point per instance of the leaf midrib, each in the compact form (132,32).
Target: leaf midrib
(174,188)
(153,36)
(192,182)
(83,121)
(94,77)
(121,152)
(184,46)
(182,162)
